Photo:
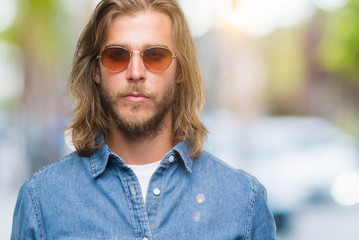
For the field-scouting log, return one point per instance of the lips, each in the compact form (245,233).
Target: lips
(136,97)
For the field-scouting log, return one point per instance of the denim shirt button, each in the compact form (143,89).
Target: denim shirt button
(156,191)
(144,238)
(171,158)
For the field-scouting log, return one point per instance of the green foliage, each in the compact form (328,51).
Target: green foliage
(36,30)
(339,52)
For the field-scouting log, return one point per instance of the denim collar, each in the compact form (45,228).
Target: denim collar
(184,151)
(100,158)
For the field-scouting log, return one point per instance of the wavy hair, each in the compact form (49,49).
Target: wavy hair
(90,120)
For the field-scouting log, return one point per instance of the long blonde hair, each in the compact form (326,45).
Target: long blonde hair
(91,120)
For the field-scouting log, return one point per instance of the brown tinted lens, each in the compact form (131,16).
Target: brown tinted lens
(115,59)
(157,59)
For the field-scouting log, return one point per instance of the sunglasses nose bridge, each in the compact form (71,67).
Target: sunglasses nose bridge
(137,51)
(136,66)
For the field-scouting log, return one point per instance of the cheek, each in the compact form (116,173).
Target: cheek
(162,86)
(168,77)
(113,81)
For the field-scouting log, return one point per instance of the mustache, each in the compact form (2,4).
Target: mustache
(135,88)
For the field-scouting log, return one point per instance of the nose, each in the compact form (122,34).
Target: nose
(136,70)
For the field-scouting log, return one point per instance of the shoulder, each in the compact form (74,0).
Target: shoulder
(235,190)
(208,161)
(236,187)
(218,171)
(56,181)
(39,189)
(66,167)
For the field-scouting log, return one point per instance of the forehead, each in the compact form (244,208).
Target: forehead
(137,31)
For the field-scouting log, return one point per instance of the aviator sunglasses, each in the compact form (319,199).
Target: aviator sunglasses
(155,58)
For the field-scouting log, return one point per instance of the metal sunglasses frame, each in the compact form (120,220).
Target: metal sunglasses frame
(131,52)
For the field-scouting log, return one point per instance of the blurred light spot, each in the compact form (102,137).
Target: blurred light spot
(330,5)
(259,18)
(345,189)
(199,15)
(197,216)
(7,13)
(200,198)
(255,17)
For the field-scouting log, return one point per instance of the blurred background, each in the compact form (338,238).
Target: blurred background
(282,89)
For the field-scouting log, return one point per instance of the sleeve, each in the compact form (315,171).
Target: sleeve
(262,224)
(26,219)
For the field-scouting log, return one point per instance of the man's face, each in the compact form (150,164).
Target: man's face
(137,99)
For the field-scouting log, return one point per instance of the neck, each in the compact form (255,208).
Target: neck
(142,152)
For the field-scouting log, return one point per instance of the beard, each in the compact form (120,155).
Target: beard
(132,128)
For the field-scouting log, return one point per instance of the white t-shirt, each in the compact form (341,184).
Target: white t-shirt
(143,174)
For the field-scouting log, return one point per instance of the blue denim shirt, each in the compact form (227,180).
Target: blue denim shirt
(99,197)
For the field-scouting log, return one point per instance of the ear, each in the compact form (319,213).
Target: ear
(97,75)
(178,77)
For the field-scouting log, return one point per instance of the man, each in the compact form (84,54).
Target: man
(139,171)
